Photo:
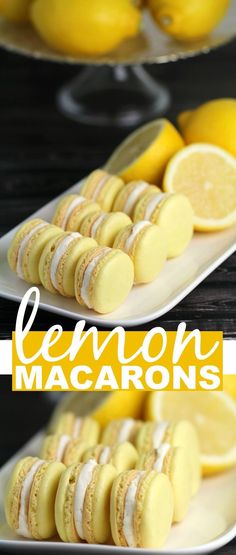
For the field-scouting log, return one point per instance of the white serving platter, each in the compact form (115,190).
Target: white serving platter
(209,525)
(145,302)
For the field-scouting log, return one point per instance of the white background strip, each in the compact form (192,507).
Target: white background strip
(229,352)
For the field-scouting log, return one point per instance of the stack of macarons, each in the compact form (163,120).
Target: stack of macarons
(108,226)
(172,212)
(126,483)
(72,265)
(144,242)
(137,218)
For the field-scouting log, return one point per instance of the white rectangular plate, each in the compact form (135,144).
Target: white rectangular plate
(210,523)
(145,302)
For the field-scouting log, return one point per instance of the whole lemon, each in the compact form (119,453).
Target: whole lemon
(188,20)
(90,27)
(15,10)
(213,122)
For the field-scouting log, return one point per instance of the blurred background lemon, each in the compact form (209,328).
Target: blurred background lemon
(15,10)
(230,385)
(213,122)
(93,27)
(96,27)
(188,20)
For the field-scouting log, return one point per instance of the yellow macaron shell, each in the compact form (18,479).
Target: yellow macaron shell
(40,515)
(123,456)
(13,490)
(104,227)
(96,504)
(184,435)
(110,279)
(130,195)
(175,465)
(174,214)
(63,448)
(72,246)
(71,210)
(49,449)
(84,428)
(28,244)
(74,451)
(119,430)
(151,505)
(64,505)
(145,243)
(102,188)
(178,434)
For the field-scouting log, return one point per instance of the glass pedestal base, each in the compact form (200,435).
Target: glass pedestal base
(113,96)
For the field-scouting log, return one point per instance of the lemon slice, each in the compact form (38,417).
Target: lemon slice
(206,174)
(145,153)
(214,415)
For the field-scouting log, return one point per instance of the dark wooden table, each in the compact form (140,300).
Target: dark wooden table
(42,153)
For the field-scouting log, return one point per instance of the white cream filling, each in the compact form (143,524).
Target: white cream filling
(58,254)
(62,444)
(159,434)
(105,455)
(134,196)
(23,528)
(97,224)
(88,274)
(133,234)
(161,455)
(81,486)
(153,203)
(100,186)
(75,202)
(125,430)
(23,246)
(129,508)
(77,428)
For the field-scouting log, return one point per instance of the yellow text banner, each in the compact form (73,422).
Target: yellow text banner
(104,361)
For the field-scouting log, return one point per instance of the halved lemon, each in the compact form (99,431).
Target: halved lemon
(214,415)
(145,153)
(206,174)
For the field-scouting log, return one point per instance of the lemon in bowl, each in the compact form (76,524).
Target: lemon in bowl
(91,28)
(188,20)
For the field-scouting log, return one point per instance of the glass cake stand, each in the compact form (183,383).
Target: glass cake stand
(116,90)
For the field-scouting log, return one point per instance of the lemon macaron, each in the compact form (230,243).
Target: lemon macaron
(59,259)
(103,279)
(30,497)
(104,226)
(123,456)
(173,462)
(82,508)
(71,210)
(141,509)
(181,433)
(173,213)
(27,246)
(102,187)
(146,244)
